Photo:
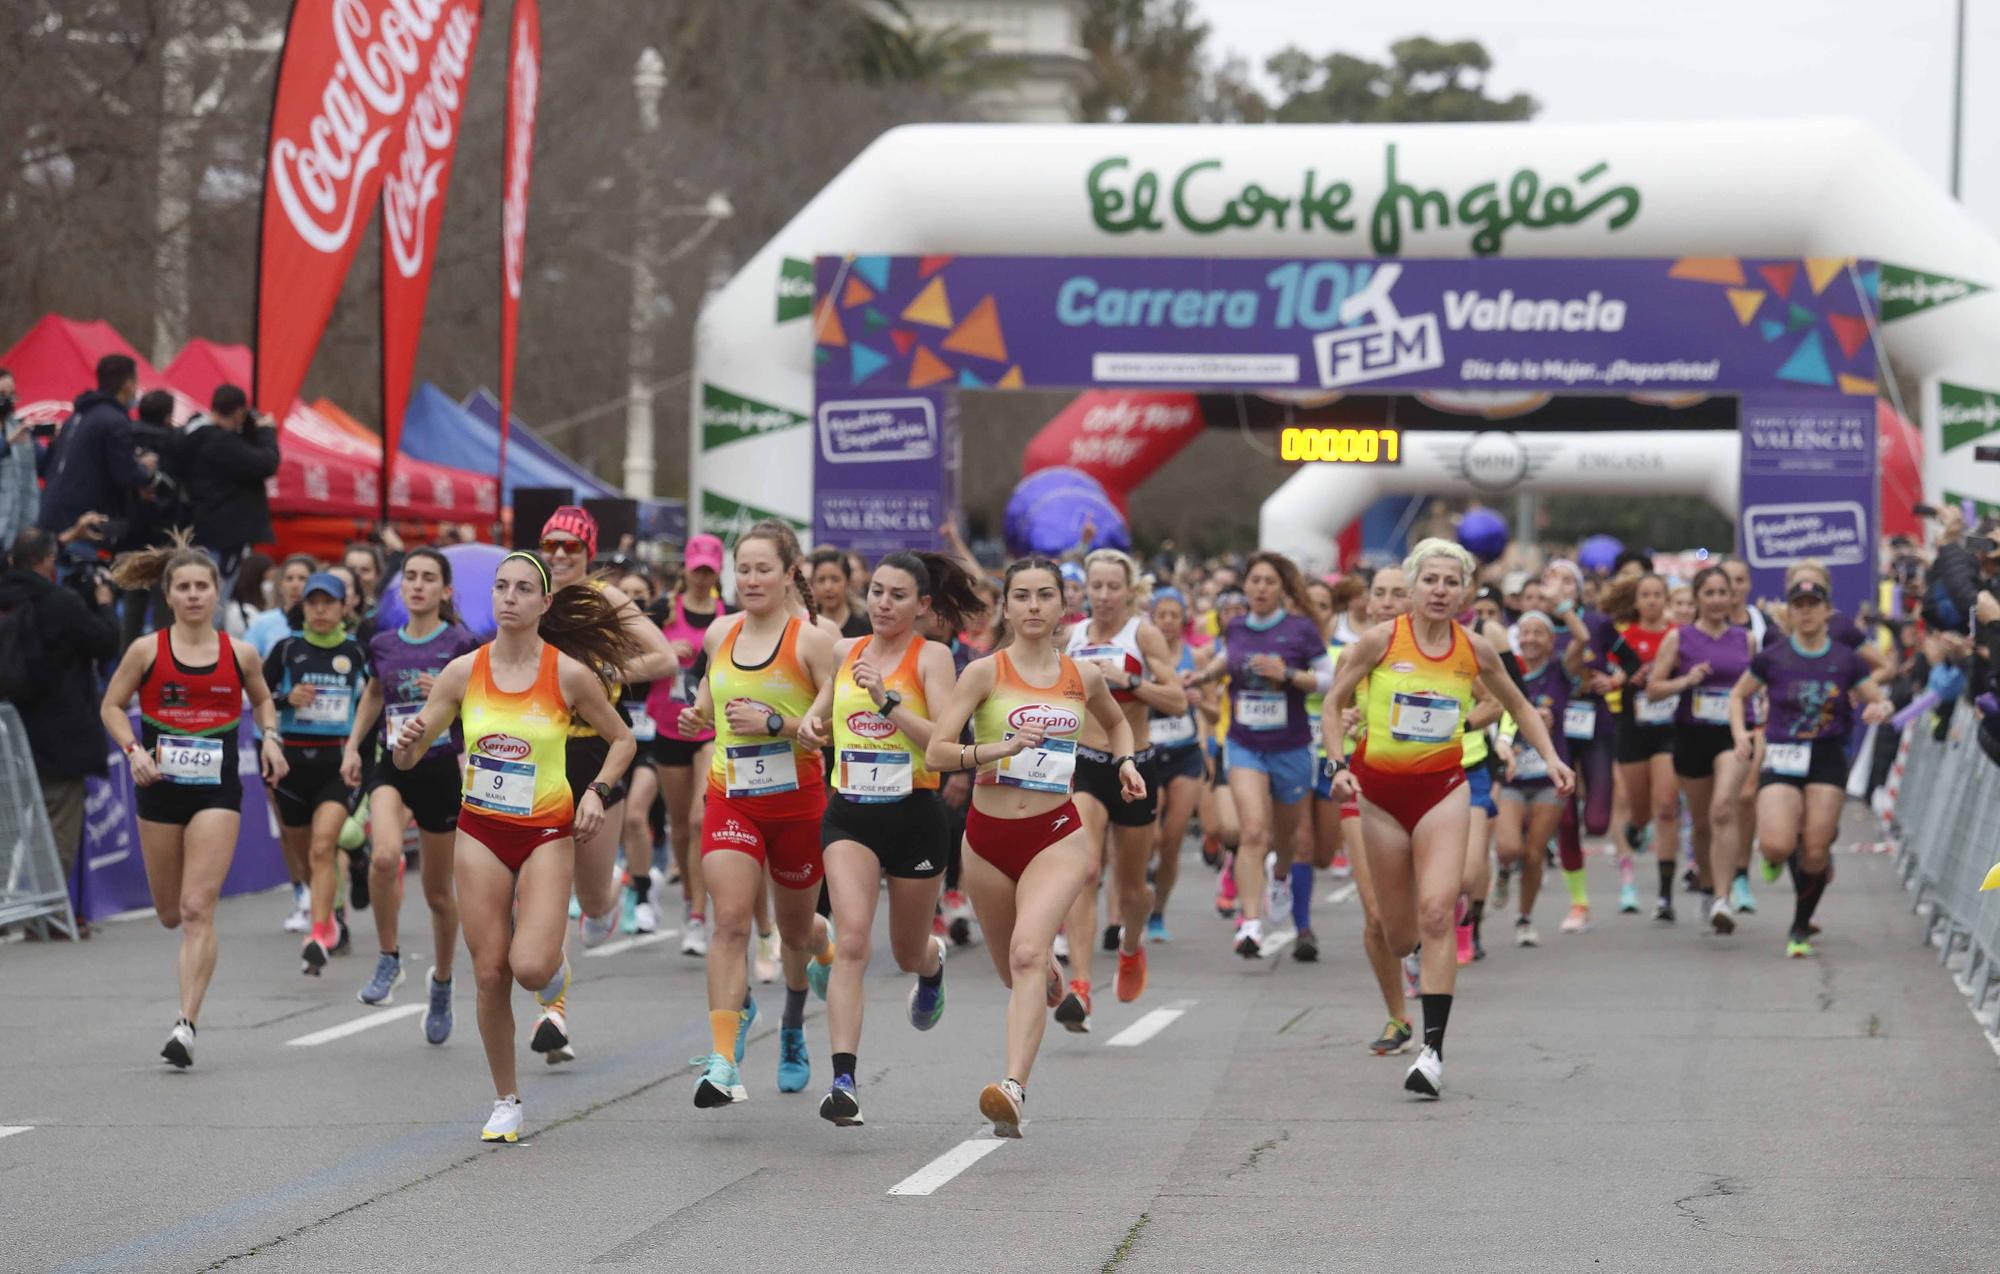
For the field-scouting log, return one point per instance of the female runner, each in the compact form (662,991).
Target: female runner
(1027,856)
(1530,806)
(1587,725)
(406,663)
(1320,831)
(569,543)
(1217,810)
(1389,600)
(642,783)
(1273,656)
(1803,783)
(191,681)
(515,847)
(1132,655)
(884,816)
(1747,615)
(766,798)
(1645,730)
(1180,767)
(680,759)
(1715,654)
(317,673)
(1410,775)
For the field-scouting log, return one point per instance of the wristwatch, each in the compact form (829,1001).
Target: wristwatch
(774,725)
(603,791)
(1133,681)
(890,701)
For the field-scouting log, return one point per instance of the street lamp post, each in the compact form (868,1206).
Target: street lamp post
(649,80)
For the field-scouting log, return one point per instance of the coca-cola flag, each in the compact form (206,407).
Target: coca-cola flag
(349,72)
(413,193)
(524,77)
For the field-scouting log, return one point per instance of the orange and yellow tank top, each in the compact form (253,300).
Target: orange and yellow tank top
(1014,702)
(874,760)
(756,764)
(1417,705)
(515,745)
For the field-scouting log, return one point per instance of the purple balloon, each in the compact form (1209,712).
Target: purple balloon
(1599,552)
(472,568)
(1483,533)
(1918,706)
(1047,512)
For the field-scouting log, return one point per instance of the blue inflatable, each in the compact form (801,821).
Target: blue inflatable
(1599,553)
(1483,533)
(1048,511)
(472,568)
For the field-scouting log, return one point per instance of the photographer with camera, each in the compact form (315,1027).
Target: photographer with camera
(226,457)
(93,466)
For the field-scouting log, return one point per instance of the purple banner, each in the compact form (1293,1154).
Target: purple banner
(111,875)
(1809,492)
(884,472)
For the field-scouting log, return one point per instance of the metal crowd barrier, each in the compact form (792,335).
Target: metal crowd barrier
(1944,820)
(32,889)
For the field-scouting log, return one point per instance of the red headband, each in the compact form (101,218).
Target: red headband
(572,520)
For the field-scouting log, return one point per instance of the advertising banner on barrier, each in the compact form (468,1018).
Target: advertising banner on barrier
(883,472)
(1809,492)
(524,78)
(413,195)
(348,74)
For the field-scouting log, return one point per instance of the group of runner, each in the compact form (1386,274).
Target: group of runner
(1390,727)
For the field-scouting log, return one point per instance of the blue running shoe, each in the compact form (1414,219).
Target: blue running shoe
(1628,900)
(718,1084)
(388,976)
(1156,929)
(841,1106)
(927,1000)
(744,1018)
(1740,897)
(437,1019)
(628,910)
(794,1067)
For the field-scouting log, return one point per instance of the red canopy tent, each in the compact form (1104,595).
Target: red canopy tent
(57,360)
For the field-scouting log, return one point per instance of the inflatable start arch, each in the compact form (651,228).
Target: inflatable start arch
(1735,259)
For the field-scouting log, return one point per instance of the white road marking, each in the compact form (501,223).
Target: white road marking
(8,1130)
(1145,1028)
(934,1174)
(1272,947)
(626,944)
(358,1025)
(1343,893)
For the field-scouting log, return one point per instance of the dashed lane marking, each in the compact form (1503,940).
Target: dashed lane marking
(8,1130)
(1145,1028)
(623,945)
(927,1179)
(358,1025)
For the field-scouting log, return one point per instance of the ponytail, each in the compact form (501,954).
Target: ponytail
(790,556)
(952,590)
(582,624)
(147,569)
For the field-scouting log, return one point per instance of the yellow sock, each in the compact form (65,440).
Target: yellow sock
(722,1026)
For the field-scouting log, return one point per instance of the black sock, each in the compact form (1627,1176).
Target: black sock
(392,953)
(932,979)
(1437,1011)
(795,1009)
(1478,916)
(843,1064)
(642,886)
(1812,887)
(1742,873)
(1667,878)
(182,1021)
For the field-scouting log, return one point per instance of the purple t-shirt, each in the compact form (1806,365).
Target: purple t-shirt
(1266,716)
(1727,657)
(399,661)
(1808,693)
(1549,689)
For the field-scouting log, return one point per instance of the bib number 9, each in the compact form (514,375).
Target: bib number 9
(500,787)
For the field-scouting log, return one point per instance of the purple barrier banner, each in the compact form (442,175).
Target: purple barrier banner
(883,472)
(1809,491)
(111,873)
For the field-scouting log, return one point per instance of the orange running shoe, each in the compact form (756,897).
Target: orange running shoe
(1131,983)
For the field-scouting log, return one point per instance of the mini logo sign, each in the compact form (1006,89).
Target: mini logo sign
(503,747)
(870,725)
(1052,719)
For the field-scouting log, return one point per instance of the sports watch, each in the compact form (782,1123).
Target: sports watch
(774,725)
(890,701)
(603,791)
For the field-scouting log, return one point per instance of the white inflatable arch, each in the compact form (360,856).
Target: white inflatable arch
(1830,188)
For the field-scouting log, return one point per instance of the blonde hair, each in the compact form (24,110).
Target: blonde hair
(1141,585)
(1436,546)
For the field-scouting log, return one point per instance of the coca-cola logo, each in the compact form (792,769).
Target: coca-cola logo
(523,85)
(502,747)
(417,180)
(321,170)
(870,725)
(1050,718)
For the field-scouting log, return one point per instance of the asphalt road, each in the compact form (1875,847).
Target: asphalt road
(1638,1098)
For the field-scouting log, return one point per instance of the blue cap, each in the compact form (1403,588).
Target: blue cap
(329,583)
(1071,571)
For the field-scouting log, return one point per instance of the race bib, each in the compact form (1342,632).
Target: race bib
(1260,709)
(1422,718)
(644,728)
(1528,764)
(875,778)
(1109,659)
(1047,767)
(1711,706)
(500,787)
(1170,732)
(1655,711)
(1580,721)
(330,706)
(761,769)
(1790,760)
(194,762)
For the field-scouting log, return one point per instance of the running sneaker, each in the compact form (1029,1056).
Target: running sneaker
(958,917)
(841,1106)
(1464,933)
(1074,1011)
(1225,893)
(718,1084)
(1250,940)
(1113,935)
(1798,947)
(301,919)
(1425,1077)
(1578,919)
(1055,984)
(767,957)
(1277,897)
(1496,898)
(628,910)
(1061,948)
(1395,1038)
(1770,871)
(437,1018)
(1130,983)
(1305,949)
(312,957)
(1002,1104)
(1663,911)
(388,976)
(1740,897)
(1628,900)
(343,936)
(645,918)
(1341,869)
(817,974)
(1638,835)
(1211,849)
(794,1065)
(1720,918)
(552,1038)
(1524,933)
(1413,973)
(179,1051)
(927,999)
(505,1122)
(694,937)
(597,930)
(745,1016)
(1156,928)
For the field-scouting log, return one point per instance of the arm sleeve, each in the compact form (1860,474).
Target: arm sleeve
(1322,671)
(237,456)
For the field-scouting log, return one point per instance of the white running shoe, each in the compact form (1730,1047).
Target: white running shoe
(597,930)
(301,919)
(1425,1077)
(179,1051)
(645,918)
(767,959)
(694,939)
(551,1038)
(1525,935)
(1001,1103)
(505,1122)
(1413,973)
(1720,917)
(1061,948)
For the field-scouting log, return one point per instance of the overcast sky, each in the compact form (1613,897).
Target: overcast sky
(1607,61)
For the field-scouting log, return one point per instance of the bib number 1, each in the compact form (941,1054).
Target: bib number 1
(875,778)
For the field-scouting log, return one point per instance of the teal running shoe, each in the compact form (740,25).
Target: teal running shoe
(718,1084)
(1740,897)
(1628,900)
(817,974)
(1156,929)
(794,1067)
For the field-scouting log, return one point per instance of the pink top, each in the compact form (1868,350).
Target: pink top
(671,694)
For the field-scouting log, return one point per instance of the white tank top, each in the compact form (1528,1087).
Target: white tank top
(1120,651)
